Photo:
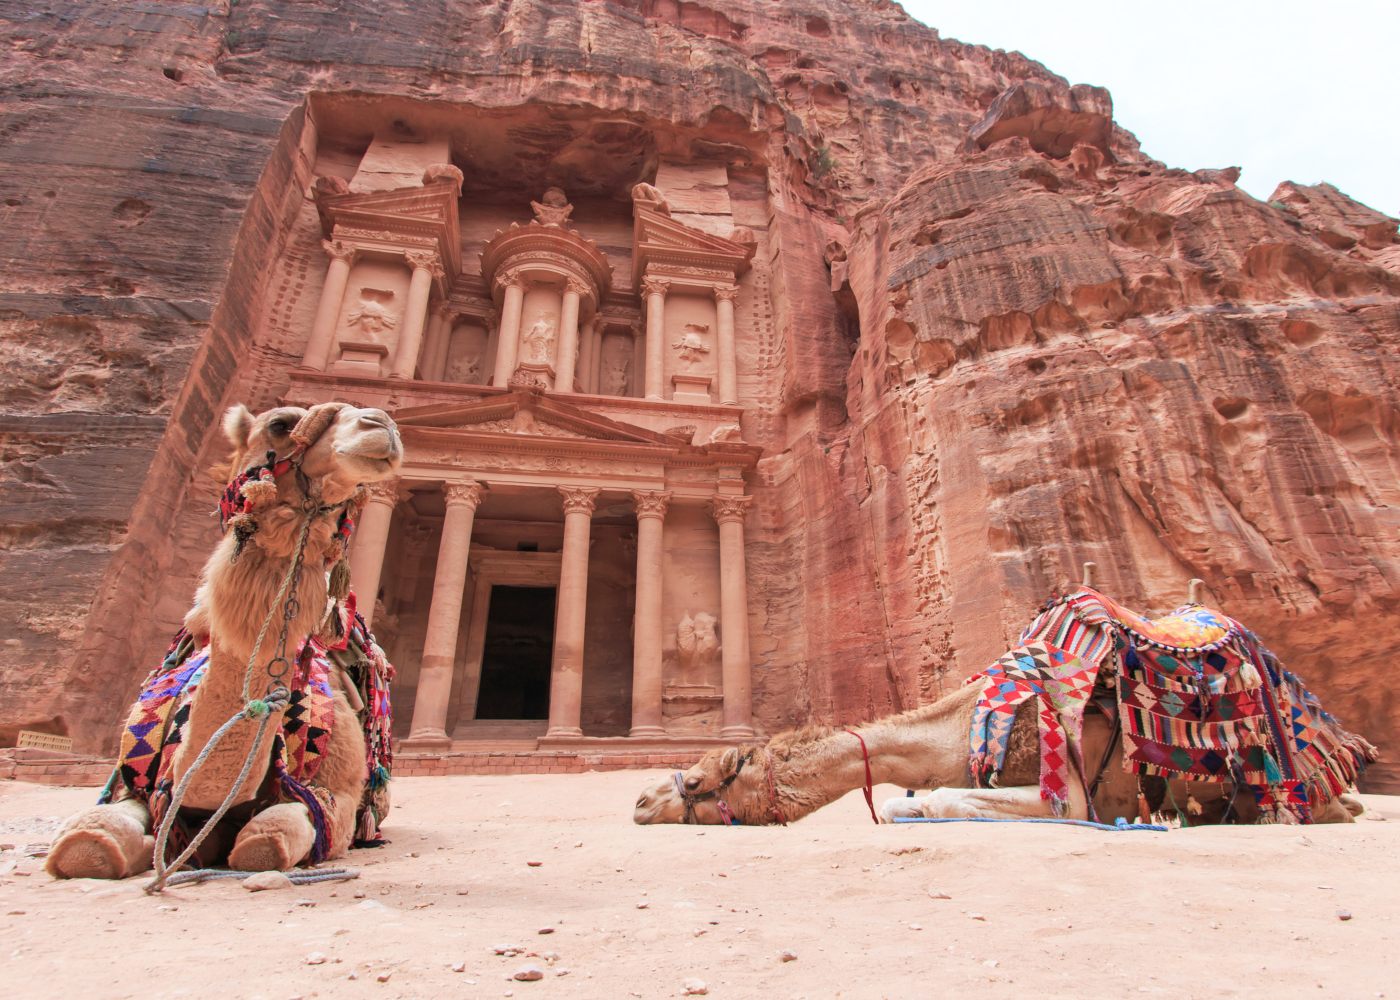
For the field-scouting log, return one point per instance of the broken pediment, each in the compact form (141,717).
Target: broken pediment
(666,247)
(421,215)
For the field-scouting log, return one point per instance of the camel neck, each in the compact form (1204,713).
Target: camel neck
(834,764)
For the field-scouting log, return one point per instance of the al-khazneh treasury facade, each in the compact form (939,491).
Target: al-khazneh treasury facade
(563,553)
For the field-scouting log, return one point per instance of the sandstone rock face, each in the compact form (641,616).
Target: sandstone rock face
(999,341)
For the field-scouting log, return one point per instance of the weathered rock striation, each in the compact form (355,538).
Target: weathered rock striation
(997,338)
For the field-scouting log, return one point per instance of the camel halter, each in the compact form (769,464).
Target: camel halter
(691,798)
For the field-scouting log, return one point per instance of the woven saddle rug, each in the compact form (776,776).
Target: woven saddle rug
(158,721)
(1060,683)
(1199,697)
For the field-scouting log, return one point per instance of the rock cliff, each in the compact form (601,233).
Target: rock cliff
(1004,339)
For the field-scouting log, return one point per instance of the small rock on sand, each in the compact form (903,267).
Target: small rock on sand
(1343,914)
(529,973)
(694,988)
(787,956)
(316,958)
(266,880)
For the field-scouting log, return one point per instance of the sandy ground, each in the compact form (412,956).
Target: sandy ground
(636,911)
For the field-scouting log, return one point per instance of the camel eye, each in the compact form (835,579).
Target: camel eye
(279,428)
(692,783)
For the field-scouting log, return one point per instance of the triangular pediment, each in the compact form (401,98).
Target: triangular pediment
(527,414)
(408,216)
(660,241)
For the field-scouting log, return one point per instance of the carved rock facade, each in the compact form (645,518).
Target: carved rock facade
(971,334)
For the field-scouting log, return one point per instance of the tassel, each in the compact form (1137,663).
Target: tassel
(1271,769)
(1249,673)
(340,579)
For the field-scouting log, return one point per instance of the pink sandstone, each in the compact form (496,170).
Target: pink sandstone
(985,336)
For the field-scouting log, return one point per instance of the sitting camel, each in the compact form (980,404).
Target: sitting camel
(1126,775)
(297,471)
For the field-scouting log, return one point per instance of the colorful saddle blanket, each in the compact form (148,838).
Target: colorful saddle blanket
(158,721)
(1198,697)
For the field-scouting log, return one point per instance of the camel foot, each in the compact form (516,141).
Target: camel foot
(994,803)
(276,839)
(108,841)
(903,807)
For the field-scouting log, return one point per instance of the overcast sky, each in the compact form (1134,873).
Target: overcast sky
(1301,90)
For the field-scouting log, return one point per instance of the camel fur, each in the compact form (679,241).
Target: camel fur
(341,448)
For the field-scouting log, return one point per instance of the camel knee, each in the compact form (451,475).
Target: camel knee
(947,803)
(275,839)
(107,841)
(901,807)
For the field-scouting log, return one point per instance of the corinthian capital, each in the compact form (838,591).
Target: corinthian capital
(426,260)
(727,293)
(386,491)
(730,508)
(578,499)
(338,250)
(576,286)
(509,279)
(655,286)
(651,503)
(469,494)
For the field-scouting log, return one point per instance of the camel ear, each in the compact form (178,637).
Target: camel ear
(729,763)
(238,425)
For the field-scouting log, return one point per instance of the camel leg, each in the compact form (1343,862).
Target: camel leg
(107,841)
(1022,802)
(276,839)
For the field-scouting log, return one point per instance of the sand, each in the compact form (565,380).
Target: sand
(552,865)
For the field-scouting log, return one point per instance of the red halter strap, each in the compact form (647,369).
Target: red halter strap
(869,782)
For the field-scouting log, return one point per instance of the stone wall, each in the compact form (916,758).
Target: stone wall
(989,337)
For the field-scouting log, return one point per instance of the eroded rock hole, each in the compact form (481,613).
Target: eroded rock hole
(1231,409)
(131,211)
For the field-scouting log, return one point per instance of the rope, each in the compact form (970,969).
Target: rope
(1122,824)
(869,789)
(298,876)
(261,709)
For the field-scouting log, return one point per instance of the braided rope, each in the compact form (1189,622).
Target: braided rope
(297,876)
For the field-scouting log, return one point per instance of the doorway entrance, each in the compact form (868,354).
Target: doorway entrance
(515,660)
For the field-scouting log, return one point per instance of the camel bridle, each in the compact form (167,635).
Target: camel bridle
(691,798)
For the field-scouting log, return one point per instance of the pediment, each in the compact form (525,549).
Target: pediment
(660,240)
(527,415)
(408,216)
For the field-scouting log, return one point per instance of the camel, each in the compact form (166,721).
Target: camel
(295,463)
(799,771)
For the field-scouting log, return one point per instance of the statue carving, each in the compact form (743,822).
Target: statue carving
(539,341)
(646,196)
(691,347)
(553,208)
(725,432)
(444,172)
(372,316)
(615,372)
(697,644)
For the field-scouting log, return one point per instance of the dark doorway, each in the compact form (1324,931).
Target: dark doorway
(515,661)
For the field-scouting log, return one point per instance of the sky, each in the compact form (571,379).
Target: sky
(1301,90)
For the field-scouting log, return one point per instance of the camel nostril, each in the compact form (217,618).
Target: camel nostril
(692,783)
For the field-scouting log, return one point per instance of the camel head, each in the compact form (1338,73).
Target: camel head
(722,779)
(341,446)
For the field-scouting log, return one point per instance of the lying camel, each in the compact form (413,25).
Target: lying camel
(799,771)
(297,464)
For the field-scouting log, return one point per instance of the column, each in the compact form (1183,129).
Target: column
(508,337)
(646,623)
(567,356)
(371,538)
(318,348)
(445,615)
(728,365)
(655,290)
(566,672)
(415,312)
(436,345)
(734,616)
(587,355)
